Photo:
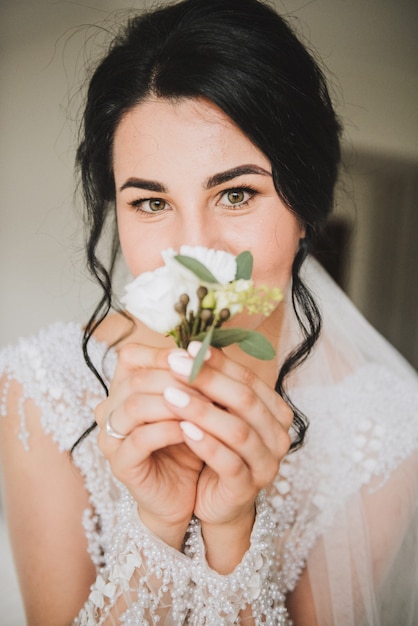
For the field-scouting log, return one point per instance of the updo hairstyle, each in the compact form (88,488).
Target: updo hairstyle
(243,57)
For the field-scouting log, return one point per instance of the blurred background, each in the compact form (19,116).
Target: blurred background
(370,51)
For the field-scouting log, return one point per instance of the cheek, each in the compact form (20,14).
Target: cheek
(274,255)
(141,254)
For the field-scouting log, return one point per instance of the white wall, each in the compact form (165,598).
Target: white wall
(371,50)
(369,46)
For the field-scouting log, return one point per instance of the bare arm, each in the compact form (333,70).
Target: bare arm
(300,603)
(44,499)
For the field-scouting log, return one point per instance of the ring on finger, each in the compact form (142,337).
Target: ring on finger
(111,431)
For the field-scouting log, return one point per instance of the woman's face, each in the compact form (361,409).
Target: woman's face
(186,174)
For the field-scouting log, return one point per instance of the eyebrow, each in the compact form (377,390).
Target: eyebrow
(241,170)
(142,183)
(212,181)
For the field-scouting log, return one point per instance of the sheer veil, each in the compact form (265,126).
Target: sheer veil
(361,397)
(347,341)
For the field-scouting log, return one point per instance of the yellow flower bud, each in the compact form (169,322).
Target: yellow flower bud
(209,301)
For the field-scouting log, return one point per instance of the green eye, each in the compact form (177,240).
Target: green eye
(236,197)
(155,205)
(149,205)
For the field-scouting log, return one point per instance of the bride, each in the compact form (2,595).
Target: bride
(261,492)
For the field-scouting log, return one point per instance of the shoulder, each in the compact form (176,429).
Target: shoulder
(361,430)
(354,421)
(49,370)
(58,347)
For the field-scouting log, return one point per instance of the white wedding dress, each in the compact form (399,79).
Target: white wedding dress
(343,507)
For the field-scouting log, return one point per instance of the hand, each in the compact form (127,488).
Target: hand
(238,426)
(159,470)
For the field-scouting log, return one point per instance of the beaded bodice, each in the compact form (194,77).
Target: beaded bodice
(142,581)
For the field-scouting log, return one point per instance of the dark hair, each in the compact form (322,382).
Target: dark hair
(242,56)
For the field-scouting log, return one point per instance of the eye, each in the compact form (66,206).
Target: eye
(149,205)
(237,197)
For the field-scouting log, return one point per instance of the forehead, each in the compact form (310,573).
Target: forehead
(192,131)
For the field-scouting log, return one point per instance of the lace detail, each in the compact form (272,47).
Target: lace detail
(255,581)
(51,370)
(361,429)
(147,580)
(350,445)
(140,580)
(151,583)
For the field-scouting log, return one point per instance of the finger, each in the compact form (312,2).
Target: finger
(137,400)
(126,457)
(221,362)
(235,395)
(134,356)
(136,411)
(134,383)
(261,454)
(235,475)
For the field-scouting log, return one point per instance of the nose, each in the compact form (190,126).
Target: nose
(197,230)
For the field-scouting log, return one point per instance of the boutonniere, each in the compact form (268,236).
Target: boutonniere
(195,292)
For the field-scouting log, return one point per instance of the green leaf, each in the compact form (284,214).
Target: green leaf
(225,336)
(257,345)
(175,334)
(250,341)
(244,265)
(196,267)
(200,356)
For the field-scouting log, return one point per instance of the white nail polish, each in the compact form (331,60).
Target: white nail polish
(176,397)
(194,347)
(191,431)
(180,363)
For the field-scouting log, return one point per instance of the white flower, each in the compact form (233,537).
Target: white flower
(220,263)
(101,590)
(216,286)
(151,297)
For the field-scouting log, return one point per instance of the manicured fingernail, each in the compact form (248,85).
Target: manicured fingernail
(191,431)
(180,362)
(176,397)
(194,347)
